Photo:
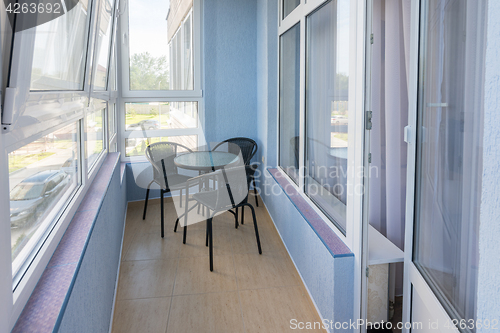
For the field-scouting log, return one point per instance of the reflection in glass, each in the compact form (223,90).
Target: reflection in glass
(103,45)
(289,6)
(137,146)
(94,144)
(112,120)
(160,50)
(42,177)
(60,52)
(449,151)
(160,115)
(289,101)
(327,109)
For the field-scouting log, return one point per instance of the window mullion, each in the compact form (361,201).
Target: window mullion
(302,118)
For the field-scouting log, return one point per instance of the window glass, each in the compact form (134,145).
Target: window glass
(113,147)
(113,81)
(60,51)
(289,101)
(112,120)
(137,146)
(160,57)
(289,6)
(103,44)
(187,50)
(43,175)
(449,151)
(94,144)
(327,109)
(160,115)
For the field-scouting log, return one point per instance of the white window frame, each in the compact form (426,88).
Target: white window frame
(14,297)
(138,96)
(124,55)
(356,128)
(356,101)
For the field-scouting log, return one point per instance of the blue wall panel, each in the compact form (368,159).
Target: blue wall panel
(89,306)
(230,62)
(328,278)
(488,294)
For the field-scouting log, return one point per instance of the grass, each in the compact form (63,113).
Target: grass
(135,118)
(341,136)
(140,149)
(18,162)
(18,246)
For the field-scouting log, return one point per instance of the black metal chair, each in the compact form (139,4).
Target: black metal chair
(248,148)
(165,173)
(231,192)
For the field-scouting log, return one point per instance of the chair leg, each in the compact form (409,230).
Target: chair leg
(236,219)
(206,236)
(242,214)
(184,236)
(255,193)
(162,213)
(255,226)
(211,244)
(180,204)
(145,204)
(176,224)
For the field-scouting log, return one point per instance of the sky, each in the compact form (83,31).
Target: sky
(343,14)
(148,26)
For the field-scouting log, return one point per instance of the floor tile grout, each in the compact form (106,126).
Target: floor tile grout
(172,298)
(135,228)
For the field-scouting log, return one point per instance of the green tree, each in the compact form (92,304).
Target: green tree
(148,72)
(342,81)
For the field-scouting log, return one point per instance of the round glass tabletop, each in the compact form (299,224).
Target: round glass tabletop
(205,160)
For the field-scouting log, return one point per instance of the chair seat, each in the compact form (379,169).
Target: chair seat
(208,199)
(175,181)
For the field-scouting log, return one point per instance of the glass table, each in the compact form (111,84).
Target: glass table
(206,160)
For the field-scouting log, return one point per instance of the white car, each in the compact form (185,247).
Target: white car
(339,120)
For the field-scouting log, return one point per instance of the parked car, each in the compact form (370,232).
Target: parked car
(339,120)
(31,197)
(70,166)
(148,124)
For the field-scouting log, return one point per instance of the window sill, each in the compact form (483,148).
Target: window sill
(332,242)
(46,305)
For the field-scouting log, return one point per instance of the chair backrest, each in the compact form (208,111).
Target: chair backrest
(246,146)
(235,190)
(161,156)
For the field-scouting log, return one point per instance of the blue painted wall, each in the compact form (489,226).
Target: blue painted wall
(329,280)
(230,63)
(91,301)
(488,295)
(137,192)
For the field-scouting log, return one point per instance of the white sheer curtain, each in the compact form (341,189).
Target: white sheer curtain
(448,179)
(390,63)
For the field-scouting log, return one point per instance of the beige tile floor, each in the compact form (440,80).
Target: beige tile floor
(166,286)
